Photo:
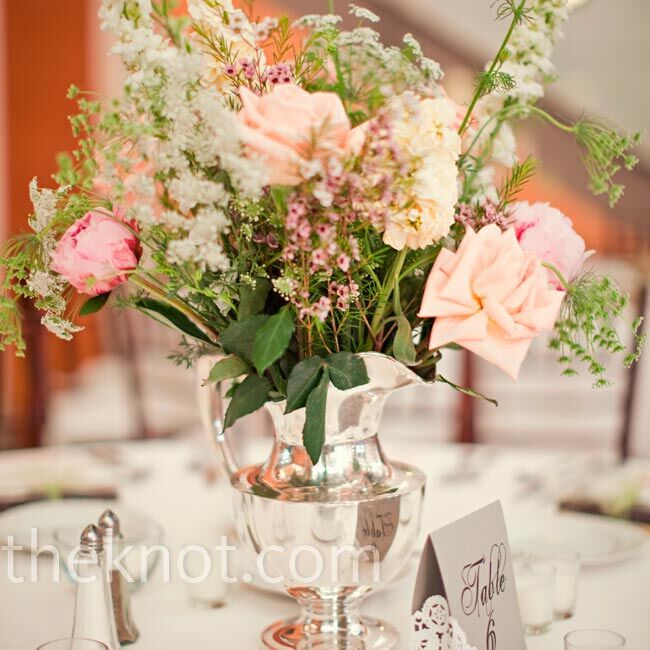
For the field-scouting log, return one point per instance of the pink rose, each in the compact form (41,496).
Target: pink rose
(545,231)
(289,127)
(95,252)
(490,297)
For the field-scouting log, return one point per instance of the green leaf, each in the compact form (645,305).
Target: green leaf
(170,317)
(272,339)
(252,299)
(403,346)
(347,370)
(238,338)
(249,396)
(313,433)
(303,379)
(279,195)
(227,368)
(464,390)
(94,304)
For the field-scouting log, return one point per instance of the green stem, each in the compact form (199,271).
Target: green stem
(560,276)
(330,6)
(160,293)
(495,62)
(392,279)
(567,128)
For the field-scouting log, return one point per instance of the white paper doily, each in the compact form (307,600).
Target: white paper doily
(433,628)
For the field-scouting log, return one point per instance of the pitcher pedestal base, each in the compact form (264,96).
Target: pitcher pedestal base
(371,634)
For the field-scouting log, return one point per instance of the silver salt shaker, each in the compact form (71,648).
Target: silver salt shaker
(93,614)
(127,630)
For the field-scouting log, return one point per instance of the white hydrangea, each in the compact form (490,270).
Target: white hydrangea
(423,130)
(363,13)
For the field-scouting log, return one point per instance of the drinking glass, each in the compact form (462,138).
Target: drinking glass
(593,640)
(567,568)
(535,581)
(73,644)
(207,588)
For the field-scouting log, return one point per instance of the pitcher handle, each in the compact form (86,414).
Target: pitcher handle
(212,406)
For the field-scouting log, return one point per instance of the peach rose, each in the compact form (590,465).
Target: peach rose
(490,297)
(95,252)
(289,127)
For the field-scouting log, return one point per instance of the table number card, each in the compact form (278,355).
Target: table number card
(465,595)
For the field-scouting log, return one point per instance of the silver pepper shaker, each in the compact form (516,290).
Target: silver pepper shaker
(93,615)
(127,630)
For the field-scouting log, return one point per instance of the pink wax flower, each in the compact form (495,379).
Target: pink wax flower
(289,127)
(491,297)
(95,252)
(545,231)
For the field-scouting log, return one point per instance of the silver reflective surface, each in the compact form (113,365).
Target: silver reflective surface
(336,530)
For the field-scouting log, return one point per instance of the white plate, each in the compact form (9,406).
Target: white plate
(598,540)
(45,516)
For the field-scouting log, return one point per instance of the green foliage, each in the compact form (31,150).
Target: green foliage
(403,346)
(252,298)
(605,151)
(520,174)
(239,337)
(346,370)
(465,390)
(227,368)
(94,304)
(313,434)
(587,327)
(304,377)
(497,81)
(272,339)
(169,316)
(247,398)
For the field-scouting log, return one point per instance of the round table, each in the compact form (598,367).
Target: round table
(192,511)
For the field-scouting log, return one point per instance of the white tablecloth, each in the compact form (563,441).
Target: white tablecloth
(615,597)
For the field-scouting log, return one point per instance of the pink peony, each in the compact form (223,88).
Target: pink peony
(490,297)
(95,252)
(545,231)
(290,127)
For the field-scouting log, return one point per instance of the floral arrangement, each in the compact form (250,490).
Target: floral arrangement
(290,194)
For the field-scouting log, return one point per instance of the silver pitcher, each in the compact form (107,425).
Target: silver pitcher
(332,532)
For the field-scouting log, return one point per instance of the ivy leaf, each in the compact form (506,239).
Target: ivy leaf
(303,379)
(464,390)
(347,370)
(403,346)
(252,299)
(170,317)
(227,368)
(94,304)
(238,337)
(272,339)
(313,433)
(249,396)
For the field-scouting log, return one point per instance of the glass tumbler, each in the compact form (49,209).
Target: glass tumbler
(73,644)
(535,580)
(567,569)
(593,640)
